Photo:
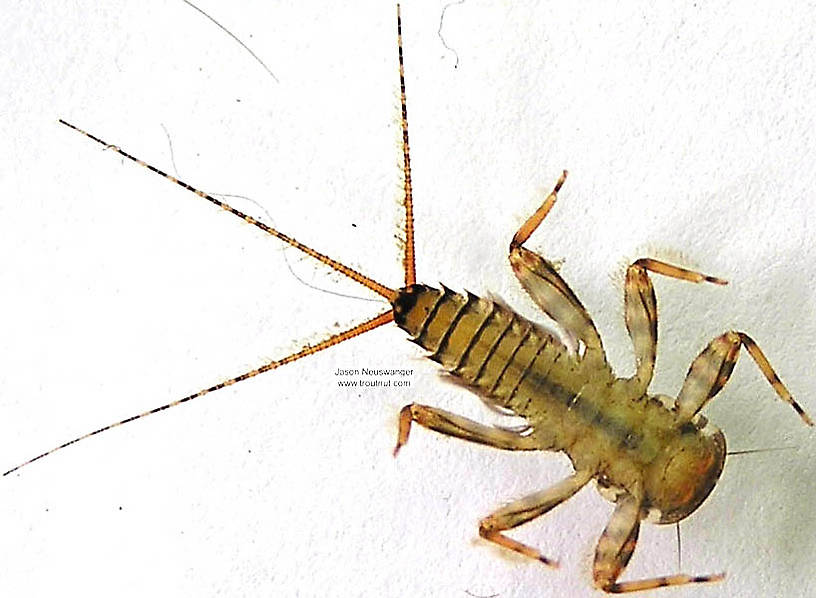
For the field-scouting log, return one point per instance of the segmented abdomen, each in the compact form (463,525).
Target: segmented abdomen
(508,359)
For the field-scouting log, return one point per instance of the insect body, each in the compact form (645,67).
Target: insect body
(654,458)
(573,404)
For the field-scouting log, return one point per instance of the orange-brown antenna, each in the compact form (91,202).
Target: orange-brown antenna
(408,260)
(367,282)
(335,339)
(380,289)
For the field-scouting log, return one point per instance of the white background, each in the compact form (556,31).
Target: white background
(688,134)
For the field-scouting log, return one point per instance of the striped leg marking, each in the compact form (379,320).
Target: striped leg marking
(710,371)
(450,424)
(526,509)
(546,287)
(615,548)
(641,310)
(640,307)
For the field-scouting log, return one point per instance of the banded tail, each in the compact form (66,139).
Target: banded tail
(382,290)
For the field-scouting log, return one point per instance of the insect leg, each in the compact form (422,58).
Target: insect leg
(711,369)
(640,306)
(526,509)
(641,310)
(615,548)
(451,424)
(546,287)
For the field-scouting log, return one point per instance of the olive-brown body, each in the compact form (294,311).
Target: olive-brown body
(572,402)
(654,457)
